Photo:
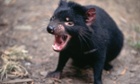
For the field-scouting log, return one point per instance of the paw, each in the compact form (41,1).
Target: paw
(108,67)
(54,74)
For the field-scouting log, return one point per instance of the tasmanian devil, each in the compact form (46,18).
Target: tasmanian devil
(87,35)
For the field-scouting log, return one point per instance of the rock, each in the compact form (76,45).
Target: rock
(4,22)
(27,64)
(49,81)
(43,73)
(134,68)
(134,52)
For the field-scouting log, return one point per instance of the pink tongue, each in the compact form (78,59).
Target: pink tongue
(58,43)
(58,40)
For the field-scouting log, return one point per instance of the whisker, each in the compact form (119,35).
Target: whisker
(84,40)
(81,42)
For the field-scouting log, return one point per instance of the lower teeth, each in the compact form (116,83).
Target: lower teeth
(55,48)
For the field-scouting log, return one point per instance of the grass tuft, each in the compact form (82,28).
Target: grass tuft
(137,45)
(11,66)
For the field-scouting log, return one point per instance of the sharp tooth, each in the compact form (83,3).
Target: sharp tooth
(58,48)
(53,46)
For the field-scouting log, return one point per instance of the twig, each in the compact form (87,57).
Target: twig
(18,81)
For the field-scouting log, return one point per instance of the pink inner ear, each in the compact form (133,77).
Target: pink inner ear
(91,12)
(90,16)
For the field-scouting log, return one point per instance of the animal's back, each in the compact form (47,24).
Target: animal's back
(107,29)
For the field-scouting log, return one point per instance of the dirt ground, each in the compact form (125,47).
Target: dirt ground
(24,22)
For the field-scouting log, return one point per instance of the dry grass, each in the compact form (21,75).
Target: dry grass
(11,66)
(135,42)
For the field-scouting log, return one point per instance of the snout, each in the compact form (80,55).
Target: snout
(57,29)
(61,37)
(50,29)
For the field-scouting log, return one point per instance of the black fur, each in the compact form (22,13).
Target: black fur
(95,45)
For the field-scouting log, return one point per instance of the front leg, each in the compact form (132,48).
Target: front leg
(63,58)
(98,68)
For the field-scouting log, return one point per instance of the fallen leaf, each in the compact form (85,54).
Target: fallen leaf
(124,71)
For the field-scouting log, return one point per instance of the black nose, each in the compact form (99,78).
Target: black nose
(50,29)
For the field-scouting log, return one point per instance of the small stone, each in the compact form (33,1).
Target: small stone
(134,68)
(43,73)
(27,64)
(134,52)
(4,22)
(49,81)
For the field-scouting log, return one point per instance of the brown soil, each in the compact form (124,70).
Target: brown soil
(23,22)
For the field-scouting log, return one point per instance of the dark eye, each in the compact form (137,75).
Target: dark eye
(52,18)
(69,23)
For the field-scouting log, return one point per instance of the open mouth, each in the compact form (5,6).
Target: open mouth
(60,42)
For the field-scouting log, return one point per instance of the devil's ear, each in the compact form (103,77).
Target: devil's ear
(91,15)
(62,2)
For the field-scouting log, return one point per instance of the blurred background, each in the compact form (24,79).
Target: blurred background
(24,22)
